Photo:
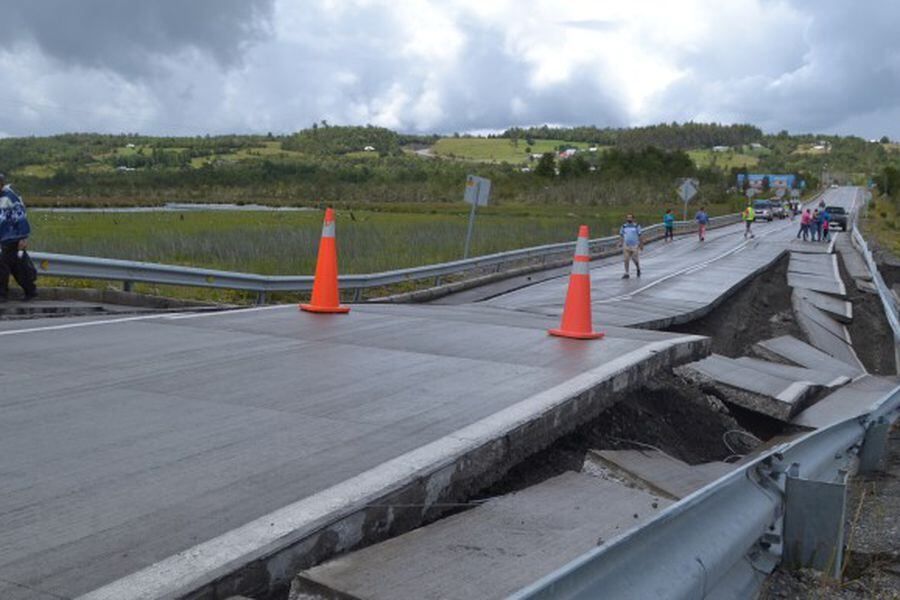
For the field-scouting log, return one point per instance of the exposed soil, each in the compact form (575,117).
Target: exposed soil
(666,413)
(760,310)
(869,328)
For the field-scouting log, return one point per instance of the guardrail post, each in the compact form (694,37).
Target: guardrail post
(357,294)
(814,523)
(127,286)
(874,447)
(261,297)
(438,280)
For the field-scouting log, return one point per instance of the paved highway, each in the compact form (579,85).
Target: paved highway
(125,441)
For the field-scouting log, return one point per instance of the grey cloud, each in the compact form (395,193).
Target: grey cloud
(197,66)
(130,37)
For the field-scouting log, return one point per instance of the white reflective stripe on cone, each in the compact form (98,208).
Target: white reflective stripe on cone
(580,267)
(328,229)
(581,247)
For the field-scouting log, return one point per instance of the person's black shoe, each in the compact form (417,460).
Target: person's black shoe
(639,272)
(626,276)
(31,296)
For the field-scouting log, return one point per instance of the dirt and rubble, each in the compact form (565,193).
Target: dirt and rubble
(759,310)
(869,329)
(665,414)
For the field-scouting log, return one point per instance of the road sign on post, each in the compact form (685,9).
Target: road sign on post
(478,190)
(687,189)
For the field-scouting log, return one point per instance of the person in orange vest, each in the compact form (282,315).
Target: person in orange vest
(749,215)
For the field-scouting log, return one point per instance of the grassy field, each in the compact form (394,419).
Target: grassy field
(884,224)
(723,160)
(496,149)
(286,242)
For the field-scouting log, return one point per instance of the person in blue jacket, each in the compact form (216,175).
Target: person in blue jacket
(669,224)
(702,219)
(14,232)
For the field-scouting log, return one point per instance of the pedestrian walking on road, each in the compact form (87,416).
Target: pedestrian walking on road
(669,225)
(632,244)
(749,215)
(826,224)
(805,221)
(14,231)
(702,221)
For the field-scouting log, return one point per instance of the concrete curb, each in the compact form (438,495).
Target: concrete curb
(398,495)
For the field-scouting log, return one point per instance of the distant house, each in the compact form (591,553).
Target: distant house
(721,148)
(124,169)
(369,149)
(592,149)
(525,170)
(756,146)
(568,153)
(129,145)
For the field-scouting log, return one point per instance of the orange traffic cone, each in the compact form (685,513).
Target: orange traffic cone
(576,317)
(325,295)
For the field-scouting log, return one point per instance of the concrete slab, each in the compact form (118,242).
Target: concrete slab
(659,472)
(852,259)
(808,247)
(489,551)
(157,453)
(827,285)
(816,376)
(847,402)
(836,308)
(771,395)
(798,352)
(819,265)
(825,333)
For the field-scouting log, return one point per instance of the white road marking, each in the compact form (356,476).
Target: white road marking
(166,317)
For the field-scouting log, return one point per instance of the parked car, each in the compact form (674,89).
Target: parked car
(763,210)
(838,217)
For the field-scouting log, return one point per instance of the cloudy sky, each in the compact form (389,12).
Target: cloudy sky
(219,66)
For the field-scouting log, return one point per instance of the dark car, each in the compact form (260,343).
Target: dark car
(838,217)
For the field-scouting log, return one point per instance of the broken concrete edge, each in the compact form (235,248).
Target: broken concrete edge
(397,495)
(752,401)
(686,317)
(633,479)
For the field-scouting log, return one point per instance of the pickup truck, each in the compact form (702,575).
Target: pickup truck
(838,217)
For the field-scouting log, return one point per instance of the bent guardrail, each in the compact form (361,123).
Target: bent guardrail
(719,541)
(130,272)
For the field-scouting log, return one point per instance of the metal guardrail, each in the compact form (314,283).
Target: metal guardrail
(887,298)
(721,541)
(130,272)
